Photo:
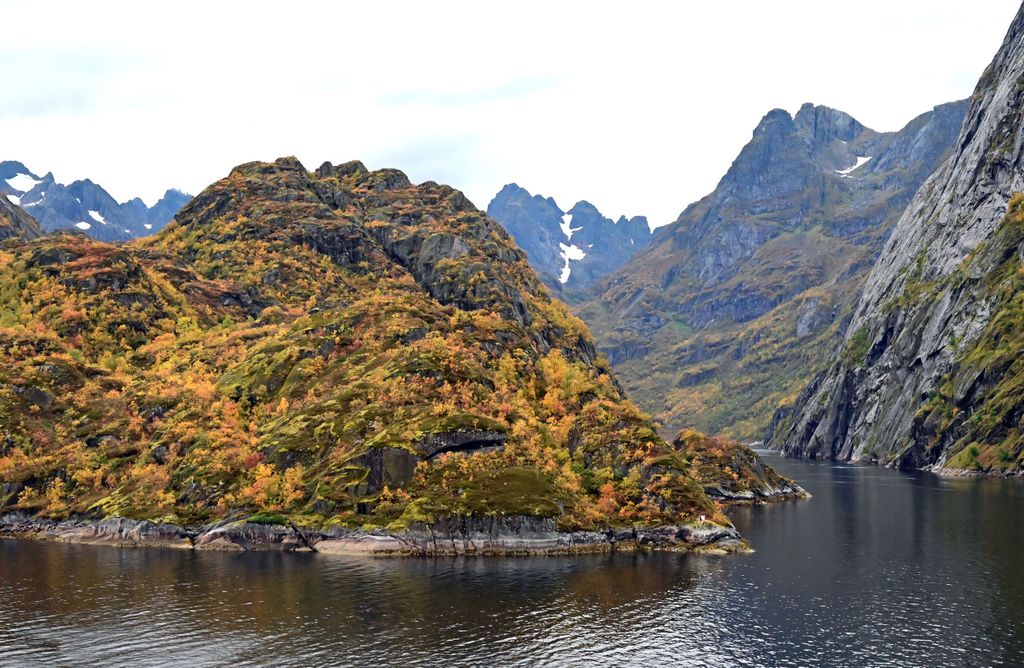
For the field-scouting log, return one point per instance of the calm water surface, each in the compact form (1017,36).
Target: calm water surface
(878,569)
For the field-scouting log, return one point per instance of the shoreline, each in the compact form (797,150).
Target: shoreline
(758,497)
(943,471)
(507,536)
(946,472)
(456,536)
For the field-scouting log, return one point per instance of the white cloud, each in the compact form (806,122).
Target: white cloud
(638,109)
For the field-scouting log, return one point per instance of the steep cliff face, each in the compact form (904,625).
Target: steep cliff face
(15,223)
(573,249)
(930,373)
(734,305)
(336,347)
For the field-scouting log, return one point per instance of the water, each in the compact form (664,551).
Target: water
(878,569)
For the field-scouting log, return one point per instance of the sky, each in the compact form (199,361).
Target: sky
(636,107)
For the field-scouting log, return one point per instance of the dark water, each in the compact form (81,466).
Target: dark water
(878,569)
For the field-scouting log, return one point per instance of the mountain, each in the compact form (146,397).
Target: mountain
(338,348)
(930,373)
(85,206)
(571,249)
(734,305)
(15,223)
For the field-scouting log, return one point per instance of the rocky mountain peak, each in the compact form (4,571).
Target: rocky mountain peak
(568,262)
(822,125)
(730,302)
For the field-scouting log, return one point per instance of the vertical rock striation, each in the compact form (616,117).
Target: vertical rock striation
(928,373)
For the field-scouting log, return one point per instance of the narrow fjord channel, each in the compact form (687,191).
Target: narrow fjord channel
(879,568)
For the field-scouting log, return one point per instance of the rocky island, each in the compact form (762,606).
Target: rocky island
(337,360)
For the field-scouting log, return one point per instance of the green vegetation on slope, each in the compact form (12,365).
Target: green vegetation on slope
(332,347)
(976,415)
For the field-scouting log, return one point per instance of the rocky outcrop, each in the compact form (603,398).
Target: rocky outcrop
(732,472)
(15,223)
(742,296)
(457,535)
(926,375)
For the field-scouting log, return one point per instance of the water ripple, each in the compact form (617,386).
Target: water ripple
(878,569)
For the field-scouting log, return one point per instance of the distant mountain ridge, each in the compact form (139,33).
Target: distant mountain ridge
(85,206)
(572,249)
(733,306)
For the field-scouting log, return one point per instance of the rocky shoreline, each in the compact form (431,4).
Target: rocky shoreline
(757,496)
(947,472)
(456,536)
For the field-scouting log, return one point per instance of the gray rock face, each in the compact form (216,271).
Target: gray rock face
(535,222)
(796,173)
(456,535)
(85,206)
(927,300)
(744,294)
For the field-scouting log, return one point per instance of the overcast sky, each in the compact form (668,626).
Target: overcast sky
(636,107)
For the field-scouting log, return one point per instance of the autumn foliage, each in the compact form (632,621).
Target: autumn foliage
(297,343)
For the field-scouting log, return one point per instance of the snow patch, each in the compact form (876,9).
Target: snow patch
(567,228)
(569,252)
(148,226)
(23,182)
(14,199)
(95,215)
(860,163)
(83,225)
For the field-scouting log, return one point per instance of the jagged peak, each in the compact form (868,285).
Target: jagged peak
(583,207)
(510,189)
(774,119)
(825,124)
(514,192)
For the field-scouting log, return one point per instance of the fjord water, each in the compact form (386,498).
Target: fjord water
(880,568)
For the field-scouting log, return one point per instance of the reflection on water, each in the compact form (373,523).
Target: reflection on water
(879,568)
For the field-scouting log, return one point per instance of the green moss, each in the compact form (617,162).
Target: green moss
(857,347)
(268,518)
